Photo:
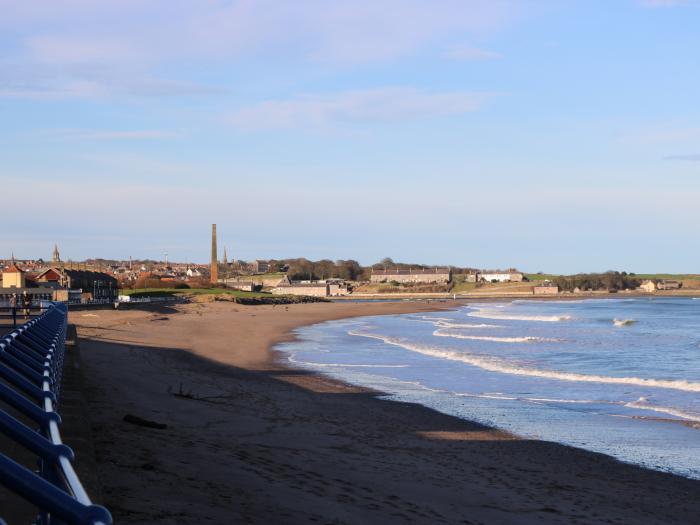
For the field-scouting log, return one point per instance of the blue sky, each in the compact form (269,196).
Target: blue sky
(551,135)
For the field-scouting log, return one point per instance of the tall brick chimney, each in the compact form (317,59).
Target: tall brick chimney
(214,261)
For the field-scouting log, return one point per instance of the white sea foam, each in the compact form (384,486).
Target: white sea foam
(503,367)
(488,395)
(527,339)
(623,322)
(340,365)
(446,324)
(436,319)
(642,403)
(486,313)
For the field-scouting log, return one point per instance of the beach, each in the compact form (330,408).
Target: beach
(251,440)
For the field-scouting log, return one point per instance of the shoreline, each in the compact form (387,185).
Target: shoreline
(256,439)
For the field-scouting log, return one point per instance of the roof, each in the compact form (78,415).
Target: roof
(13,268)
(417,271)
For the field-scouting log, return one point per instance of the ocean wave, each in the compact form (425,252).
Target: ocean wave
(503,367)
(435,319)
(538,399)
(623,322)
(642,404)
(446,324)
(525,339)
(340,365)
(491,314)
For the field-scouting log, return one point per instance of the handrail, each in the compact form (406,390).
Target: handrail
(31,369)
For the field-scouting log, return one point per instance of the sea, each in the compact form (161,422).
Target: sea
(616,376)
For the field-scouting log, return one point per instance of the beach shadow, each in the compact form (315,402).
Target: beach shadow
(292,446)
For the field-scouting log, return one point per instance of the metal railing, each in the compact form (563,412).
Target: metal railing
(31,369)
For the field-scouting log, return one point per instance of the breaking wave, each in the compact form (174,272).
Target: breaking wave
(500,366)
(340,365)
(528,339)
(623,322)
(642,403)
(485,313)
(447,324)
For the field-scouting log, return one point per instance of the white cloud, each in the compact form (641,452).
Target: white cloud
(95,42)
(320,111)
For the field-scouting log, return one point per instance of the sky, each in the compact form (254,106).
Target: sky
(549,135)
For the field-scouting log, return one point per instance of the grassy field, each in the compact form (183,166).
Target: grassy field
(463,287)
(676,276)
(541,276)
(165,292)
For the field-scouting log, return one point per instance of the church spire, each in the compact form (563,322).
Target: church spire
(56,255)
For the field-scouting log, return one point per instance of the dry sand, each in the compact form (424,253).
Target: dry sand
(251,441)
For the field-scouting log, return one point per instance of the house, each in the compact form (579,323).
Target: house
(417,275)
(14,277)
(512,276)
(16,281)
(92,285)
(648,286)
(193,272)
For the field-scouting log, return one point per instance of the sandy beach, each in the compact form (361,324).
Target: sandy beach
(249,440)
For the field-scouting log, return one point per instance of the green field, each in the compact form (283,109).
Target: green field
(678,277)
(541,276)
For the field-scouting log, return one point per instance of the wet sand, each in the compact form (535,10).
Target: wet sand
(249,440)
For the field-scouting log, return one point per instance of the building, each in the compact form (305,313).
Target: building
(244,286)
(90,285)
(500,277)
(337,289)
(668,284)
(193,273)
(261,266)
(15,281)
(648,286)
(313,289)
(417,275)
(14,277)
(545,288)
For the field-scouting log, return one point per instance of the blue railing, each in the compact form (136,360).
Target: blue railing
(31,368)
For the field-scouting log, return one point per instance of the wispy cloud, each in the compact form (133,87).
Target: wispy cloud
(78,45)
(321,111)
(468,53)
(688,158)
(666,3)
(94,134)
(662,134)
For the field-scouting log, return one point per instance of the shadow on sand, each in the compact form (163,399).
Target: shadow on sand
(290,446)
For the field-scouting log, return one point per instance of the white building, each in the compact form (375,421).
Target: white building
(500,277)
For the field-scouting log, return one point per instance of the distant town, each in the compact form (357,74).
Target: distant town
(106,281)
